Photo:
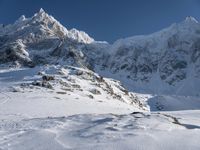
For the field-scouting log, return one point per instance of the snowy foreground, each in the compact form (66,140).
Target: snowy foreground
(42,118)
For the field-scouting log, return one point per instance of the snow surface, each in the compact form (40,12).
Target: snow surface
(34,117)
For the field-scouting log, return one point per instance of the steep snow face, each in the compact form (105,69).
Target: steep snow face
(168,54)
(80,36)
(40,26)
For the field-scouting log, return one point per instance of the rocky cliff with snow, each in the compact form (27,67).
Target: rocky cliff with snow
(165,61)
(171,53)
(39,40)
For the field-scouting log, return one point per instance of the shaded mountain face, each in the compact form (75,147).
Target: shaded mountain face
(171,55)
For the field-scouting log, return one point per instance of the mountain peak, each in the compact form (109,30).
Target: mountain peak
(41,14)
(81,36)
(21,19)
(41,11)
(190,19)
(44,24)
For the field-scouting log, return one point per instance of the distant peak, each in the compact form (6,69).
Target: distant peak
(41,11)
(41,15)
(21,19)
(190,19)
(81,36)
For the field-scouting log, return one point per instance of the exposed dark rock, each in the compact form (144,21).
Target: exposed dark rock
(47,78)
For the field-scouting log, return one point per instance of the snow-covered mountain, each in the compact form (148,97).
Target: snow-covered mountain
(60,87)
(169,52)
(169,58)
(43,41)
(41,26)
(36,40)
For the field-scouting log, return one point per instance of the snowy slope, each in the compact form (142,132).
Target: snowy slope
(110,132)
(76,106)
(80,89)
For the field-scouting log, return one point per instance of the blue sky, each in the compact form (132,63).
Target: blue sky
(106,19)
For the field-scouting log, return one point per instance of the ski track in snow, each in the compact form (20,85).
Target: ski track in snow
(4,98)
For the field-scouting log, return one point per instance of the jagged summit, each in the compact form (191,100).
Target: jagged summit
(41,11)
(41,14)
(21,19)
(51,22)
(41,39)
(74,34)
(42,25)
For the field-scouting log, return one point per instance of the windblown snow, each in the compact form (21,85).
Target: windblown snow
(62,90)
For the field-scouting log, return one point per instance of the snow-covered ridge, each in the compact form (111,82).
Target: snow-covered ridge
(185,29)
(47,23)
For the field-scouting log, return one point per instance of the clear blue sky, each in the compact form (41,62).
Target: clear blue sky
(106,19)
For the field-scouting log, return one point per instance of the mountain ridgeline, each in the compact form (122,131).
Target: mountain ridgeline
(160,62)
